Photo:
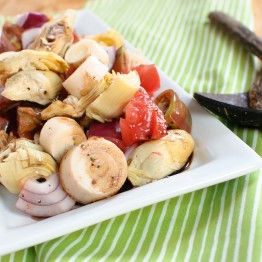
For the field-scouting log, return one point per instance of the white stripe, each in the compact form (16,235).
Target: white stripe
(160,33)
(53,247)
(195,227)
(139,30)
(90,241)
(110,16)
(202,45)
(130,236)
(25,255)
(241,213)
(207,225)
(116,238)
(174,35)
(254,218)
(75,242)
(238,16)
(230,220)
(95,251)
(240,219)
(200,57)
(11,257)
(219,222)
(42,247)
(170,229)
(185,219)
(134,14)
(182,39)
(144,233)
(157,231)
(216,53)
(255,139)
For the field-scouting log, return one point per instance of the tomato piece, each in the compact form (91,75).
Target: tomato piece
(149,77)
(176,113)
(143,120)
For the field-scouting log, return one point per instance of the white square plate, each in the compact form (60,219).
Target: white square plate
(219,156)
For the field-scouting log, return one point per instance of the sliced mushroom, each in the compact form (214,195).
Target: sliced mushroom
(101,170)
(59,134)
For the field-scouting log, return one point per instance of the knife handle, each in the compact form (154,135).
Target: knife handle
(247,38)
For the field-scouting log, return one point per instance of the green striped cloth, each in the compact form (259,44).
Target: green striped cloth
(219,223)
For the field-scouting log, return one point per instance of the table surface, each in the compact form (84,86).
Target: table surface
(13,7)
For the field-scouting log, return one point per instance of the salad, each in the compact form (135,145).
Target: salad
(79,116)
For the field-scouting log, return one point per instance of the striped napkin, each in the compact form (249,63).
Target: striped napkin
(219,223)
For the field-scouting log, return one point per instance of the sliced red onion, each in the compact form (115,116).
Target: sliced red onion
(45,211)
(111,51)
(31,19)
(42,185)
(43,199)
(29,36)
(109,129)
(130,150)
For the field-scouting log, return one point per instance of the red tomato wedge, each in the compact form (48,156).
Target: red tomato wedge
(143,120)
(149,77)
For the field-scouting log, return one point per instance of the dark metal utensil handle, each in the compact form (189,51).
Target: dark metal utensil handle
(247,38)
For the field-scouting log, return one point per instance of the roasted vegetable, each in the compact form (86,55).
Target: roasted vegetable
(56,35)
(110,103)
(159,158)
(28,121)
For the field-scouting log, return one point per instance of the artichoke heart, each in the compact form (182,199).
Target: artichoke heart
(57,35)
(33,85)
(15,144)
(110,38)
(23,164)
(119,89)
(159,158)
(13,62)
(72,106)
